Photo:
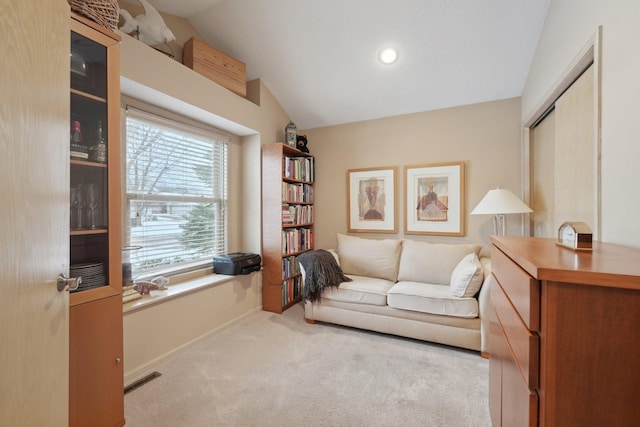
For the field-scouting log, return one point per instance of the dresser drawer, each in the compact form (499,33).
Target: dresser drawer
(519,404)
(523,343)
(522,289)
(500,354)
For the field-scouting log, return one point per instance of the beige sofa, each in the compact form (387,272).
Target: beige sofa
(429,291)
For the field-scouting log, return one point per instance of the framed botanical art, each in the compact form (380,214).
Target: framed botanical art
(434,197)
(372,200)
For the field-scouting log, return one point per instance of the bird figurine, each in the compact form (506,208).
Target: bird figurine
(145,288)
(150,26)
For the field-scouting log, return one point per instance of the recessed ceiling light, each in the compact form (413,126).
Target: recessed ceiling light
(388,55)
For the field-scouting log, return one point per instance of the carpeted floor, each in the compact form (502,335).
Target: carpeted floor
(277,370)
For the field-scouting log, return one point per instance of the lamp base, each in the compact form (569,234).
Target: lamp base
(499,225)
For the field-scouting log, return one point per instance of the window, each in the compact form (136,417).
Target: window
(175,209)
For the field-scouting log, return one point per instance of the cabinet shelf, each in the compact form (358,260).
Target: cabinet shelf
(292,276)
(88,163)
(291,202)
(287,188)
(295,181)
(89,231)
(296,253)
(88,96)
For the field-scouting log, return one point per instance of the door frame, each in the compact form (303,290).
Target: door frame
(590,54)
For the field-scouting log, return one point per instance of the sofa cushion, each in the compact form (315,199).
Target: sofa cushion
(362,290)
(431,262)
(467,277)
(430,298)
(369,257)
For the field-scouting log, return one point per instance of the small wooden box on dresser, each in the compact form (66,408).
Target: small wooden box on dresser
(96,389)
(564,342)
(287,222)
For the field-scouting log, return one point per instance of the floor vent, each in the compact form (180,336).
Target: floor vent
(142,381)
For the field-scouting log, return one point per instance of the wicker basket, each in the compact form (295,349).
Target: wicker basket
(104,12)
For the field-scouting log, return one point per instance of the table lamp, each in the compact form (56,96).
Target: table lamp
(499,202)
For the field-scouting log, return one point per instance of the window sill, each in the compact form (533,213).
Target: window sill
(175,291)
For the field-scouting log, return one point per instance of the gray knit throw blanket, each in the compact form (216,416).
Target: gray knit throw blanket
(321,270)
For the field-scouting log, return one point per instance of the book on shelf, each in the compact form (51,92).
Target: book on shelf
(296,240)
(297,214)
(297,192)
(298,168)
(291,290)
(290,267)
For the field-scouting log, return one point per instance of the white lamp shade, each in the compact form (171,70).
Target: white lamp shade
(500,201)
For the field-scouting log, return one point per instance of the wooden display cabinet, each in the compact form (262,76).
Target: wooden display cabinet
(287,222)
(96,389)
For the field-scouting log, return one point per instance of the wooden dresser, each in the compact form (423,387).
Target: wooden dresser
(565,334)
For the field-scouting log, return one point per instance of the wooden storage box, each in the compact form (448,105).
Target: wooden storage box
(215,65)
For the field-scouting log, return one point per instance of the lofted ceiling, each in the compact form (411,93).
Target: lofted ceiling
(319,57)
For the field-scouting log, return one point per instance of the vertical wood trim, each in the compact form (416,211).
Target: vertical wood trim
(527,180)
(597,132)
(114,162)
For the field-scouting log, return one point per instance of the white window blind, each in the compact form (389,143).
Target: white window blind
(176,194)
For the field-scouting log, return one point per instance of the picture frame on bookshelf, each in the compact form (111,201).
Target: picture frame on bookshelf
(434,195)
(372,198)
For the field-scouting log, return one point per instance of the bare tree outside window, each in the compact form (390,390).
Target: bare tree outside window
(175,195)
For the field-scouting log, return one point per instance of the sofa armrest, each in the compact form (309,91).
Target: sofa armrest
(485,306)
(303,273)
(335,255)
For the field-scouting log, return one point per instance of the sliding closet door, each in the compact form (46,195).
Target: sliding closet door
(564,161)
(575,162)
(542,182)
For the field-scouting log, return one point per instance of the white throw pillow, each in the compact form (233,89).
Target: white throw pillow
(431,262)
(467,277)
(369,257)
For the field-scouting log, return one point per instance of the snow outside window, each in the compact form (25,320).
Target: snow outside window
(175,208)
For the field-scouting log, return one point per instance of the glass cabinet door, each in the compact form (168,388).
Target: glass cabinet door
(90,167)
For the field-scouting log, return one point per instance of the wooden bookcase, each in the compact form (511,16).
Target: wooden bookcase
(96,389)
(287,222)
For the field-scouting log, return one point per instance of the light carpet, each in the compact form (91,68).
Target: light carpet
(277,370)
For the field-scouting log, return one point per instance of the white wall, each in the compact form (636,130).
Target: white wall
(569,26)
(486,137)
(157,330)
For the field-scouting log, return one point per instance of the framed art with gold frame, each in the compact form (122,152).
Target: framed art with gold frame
(371,203)
(434,195)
